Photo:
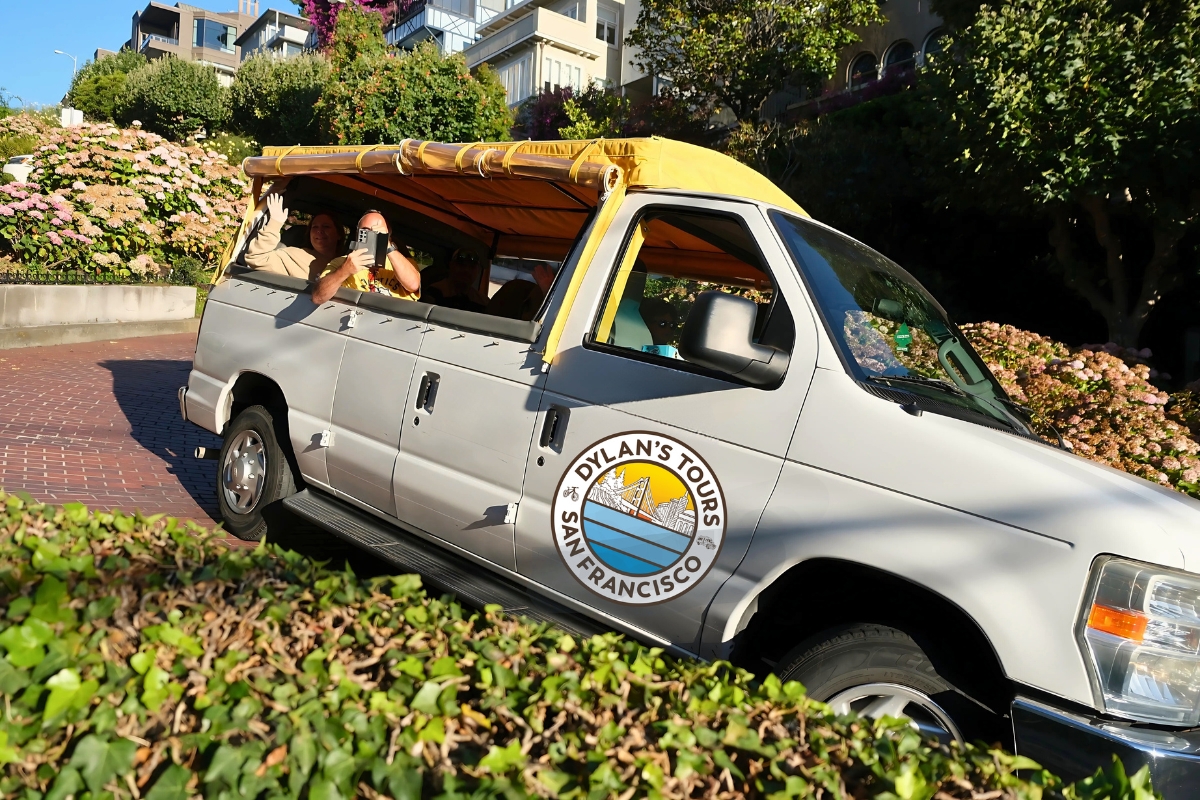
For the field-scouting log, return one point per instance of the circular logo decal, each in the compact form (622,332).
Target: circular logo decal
(639,518)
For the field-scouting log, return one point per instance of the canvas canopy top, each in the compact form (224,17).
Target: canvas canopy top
(523,198)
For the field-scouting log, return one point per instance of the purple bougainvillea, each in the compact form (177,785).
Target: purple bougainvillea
(323,13)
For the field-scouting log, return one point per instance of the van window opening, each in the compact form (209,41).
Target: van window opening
(669,259)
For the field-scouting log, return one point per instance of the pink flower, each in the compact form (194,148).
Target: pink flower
(54,238)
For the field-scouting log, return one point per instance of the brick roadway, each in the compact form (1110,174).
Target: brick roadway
(99,423)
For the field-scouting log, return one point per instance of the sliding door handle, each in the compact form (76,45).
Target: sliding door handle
(427,394)
(554,428)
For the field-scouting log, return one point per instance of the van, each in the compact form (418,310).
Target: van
(712,423)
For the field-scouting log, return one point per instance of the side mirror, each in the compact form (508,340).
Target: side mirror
(719,335)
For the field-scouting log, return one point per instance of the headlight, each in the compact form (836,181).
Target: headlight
(1141,633)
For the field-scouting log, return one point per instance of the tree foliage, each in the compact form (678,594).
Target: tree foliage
(174,98)
(374,95)
(99,85)
(735,53)
(1084,112)
(274,100)
(324,15)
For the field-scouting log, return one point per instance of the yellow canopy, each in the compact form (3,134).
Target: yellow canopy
(525,199)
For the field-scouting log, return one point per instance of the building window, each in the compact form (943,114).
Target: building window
(606,26)
(935,44)
(863,70)
(570,10)
(899,56)
(516,80)
(213,35)
(556,74)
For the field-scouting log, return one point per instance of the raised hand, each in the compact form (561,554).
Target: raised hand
(361,260)
(276,211)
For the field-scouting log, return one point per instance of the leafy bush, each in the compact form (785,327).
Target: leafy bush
(99,85)
(540,116)
(1099,398)
(113,200)
(142,658)
(273,100)
(16,144)
(374,96)
(235,148)
(174,98)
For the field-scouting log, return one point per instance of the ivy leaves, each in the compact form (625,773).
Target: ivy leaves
(196,671)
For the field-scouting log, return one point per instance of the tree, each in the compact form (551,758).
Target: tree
(375,96)
(99,85)
(734,54)
(174,98)
(274,100)
(324,15)
(1083,112)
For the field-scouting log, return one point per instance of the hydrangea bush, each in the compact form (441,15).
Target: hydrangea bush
(114,200)
(1100,400)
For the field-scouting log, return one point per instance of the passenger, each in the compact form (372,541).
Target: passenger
(306,263)
(460,289)
(660,318)
(400,278)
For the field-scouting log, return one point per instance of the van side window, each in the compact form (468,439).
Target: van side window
(671,257)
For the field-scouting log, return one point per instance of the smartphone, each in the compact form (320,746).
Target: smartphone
(374,242)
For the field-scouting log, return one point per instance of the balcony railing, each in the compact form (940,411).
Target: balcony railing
(541,24)
(147,38)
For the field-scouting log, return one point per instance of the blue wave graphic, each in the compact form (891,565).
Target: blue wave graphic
(635,546)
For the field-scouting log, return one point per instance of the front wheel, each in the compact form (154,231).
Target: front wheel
(254,473)
(876,671)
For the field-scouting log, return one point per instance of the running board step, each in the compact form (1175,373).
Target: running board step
(439,568)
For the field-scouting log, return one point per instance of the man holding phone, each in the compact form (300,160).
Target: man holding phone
(396,276)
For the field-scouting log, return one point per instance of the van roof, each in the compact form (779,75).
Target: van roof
(444,178)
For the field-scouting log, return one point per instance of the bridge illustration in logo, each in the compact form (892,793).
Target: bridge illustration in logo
(632,532)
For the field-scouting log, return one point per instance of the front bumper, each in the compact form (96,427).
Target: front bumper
(1074,745)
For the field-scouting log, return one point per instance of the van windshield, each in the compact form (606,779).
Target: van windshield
(891,332)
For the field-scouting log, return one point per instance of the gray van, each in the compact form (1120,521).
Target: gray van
(684,410)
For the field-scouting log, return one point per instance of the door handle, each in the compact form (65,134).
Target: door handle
(554,429)
(428,391)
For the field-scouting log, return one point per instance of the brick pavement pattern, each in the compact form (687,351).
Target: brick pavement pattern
(99,423)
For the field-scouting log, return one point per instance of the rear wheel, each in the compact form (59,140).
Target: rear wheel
(254,475)
(876,671)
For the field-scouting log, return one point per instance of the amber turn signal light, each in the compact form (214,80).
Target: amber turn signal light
(1125,624)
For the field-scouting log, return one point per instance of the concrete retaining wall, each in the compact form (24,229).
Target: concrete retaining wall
(37,306)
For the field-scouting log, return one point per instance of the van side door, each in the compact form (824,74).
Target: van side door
(371,400)
(648,475)
(473,403)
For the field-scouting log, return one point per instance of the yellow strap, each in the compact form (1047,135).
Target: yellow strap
(462,152)
(361,153)
(603,221)
(252,207)
(579,159)
(618,288)
(506,162)
(283,155)
(421,153)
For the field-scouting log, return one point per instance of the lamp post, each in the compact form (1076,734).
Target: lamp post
(74,61)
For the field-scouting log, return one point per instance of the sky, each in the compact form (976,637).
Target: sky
(34,29)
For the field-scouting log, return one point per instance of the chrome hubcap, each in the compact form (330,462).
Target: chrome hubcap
(876,700)
(244,471)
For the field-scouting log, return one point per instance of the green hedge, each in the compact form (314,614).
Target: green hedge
(144,659)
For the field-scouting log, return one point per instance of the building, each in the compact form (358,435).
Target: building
(193,34)
(452,24)
(882,61)
(276,32)
(541,45)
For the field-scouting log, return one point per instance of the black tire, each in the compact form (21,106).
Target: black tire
(839,663)
(253,475)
